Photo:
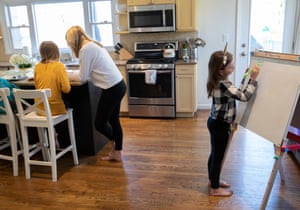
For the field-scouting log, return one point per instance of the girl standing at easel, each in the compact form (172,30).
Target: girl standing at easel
(223,112)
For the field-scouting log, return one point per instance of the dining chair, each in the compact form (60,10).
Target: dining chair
(7,118)
(31,115)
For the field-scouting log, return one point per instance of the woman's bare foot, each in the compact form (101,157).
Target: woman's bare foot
(114,155)
(222,184)
(220,192)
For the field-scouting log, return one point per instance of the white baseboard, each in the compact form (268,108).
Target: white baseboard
(203,106)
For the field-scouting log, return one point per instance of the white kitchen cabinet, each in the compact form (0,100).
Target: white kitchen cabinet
(186,15)
(124,103)
(186,90)
(146,2)
(122,27)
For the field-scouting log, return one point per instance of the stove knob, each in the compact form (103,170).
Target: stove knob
(129,66)
(165,66)
(146,66)
(156,66)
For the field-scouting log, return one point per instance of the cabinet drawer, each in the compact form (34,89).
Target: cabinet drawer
(185,69)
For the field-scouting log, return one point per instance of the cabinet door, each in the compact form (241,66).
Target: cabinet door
(124,103)
(186,99)
(186,15)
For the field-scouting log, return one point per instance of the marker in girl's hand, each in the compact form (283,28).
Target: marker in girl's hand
(249,71)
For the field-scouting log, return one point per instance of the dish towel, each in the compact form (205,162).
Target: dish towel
(150,77)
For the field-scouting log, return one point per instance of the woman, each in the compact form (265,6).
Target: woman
(97,66)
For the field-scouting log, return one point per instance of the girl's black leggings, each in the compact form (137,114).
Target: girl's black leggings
(219,134)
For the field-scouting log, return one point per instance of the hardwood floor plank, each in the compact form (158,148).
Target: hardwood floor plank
(164,167)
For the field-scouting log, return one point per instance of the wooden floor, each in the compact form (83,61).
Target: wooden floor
(164,167)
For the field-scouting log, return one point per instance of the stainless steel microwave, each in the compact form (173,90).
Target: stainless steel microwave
(151,18)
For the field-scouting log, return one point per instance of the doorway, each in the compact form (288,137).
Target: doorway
(269,25)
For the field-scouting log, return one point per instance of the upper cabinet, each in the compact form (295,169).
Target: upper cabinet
(145,2)
(121,13)
(186,15)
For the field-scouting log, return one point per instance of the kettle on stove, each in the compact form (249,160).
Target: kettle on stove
(169,50)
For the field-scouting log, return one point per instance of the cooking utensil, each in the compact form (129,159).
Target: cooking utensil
(199,42)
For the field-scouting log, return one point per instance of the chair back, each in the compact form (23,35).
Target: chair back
(33,101)
(6,113)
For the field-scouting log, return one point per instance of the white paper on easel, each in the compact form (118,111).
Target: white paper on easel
(268,111)
(241,105)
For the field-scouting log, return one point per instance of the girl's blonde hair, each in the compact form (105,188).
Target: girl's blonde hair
(48,51)
(218,61)
(75,37)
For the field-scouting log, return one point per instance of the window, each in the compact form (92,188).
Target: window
(101,21)
(267,24)
(18,27)
(29,23)
(275,25)
(62,18)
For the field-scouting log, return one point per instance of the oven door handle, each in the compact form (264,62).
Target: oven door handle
(144,71)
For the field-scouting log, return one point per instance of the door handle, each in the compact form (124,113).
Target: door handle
(243,54)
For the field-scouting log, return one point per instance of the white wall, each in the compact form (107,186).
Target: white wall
(216,18)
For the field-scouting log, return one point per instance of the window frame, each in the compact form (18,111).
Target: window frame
(8,45)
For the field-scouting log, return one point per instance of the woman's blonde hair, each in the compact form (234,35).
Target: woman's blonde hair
(75,37)
(218,61)
(48,51)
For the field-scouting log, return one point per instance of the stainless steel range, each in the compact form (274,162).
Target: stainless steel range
(151,81)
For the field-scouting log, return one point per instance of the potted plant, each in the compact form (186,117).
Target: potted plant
(20,61)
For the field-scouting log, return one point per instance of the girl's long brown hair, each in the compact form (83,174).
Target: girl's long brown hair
(48,51)
(75,37)
(215,64)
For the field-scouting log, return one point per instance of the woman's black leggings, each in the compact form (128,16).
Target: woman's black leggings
(219,134)
(108,114)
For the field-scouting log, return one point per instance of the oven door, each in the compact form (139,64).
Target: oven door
(160,93)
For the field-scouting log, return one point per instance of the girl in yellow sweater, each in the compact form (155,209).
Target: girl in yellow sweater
(51,73)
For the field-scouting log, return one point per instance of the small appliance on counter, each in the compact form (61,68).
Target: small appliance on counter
(169,50)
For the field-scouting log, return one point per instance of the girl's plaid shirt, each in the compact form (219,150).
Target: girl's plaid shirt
(223,100)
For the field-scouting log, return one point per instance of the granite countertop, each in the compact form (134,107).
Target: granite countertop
(6,65)
(117,62)
(189,62)
(120,62)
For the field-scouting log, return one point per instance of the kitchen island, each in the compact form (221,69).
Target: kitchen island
(83,98)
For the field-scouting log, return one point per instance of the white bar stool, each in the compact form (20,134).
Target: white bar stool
(7,117)
(30,115)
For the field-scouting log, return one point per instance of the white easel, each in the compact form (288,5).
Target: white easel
(274,95)
(279,152)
